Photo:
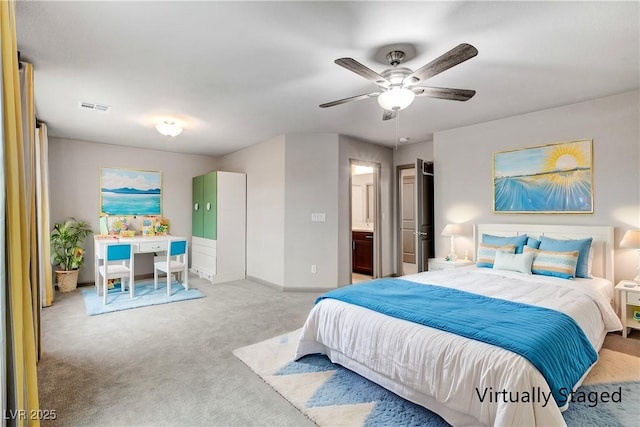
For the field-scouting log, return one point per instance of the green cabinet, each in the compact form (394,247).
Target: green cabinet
(197,197)
(218,240)
(210,219)
(204,221)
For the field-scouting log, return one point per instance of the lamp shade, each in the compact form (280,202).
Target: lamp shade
(168,128)
(396,99)
(631,239)
(452,230)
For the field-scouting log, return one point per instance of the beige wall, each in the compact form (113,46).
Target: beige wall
(301,174)
(407,154)
(464,156)
(74,172)
(311,185)
(292,176)
(265,168)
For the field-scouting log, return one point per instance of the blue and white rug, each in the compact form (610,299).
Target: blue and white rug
(144,296)
(331,395)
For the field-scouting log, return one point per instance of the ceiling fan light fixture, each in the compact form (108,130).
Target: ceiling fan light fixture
(168,128)
(396,99)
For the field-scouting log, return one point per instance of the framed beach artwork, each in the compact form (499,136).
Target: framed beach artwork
(554,178)
(130,192)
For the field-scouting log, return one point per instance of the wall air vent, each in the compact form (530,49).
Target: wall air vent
(91,106)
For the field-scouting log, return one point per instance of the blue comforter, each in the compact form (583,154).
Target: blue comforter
(552,341)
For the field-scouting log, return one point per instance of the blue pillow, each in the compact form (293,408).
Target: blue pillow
(534,243)
(583,246)
(518,241)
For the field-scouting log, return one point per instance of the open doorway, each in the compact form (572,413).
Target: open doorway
(415,213)
(365,220)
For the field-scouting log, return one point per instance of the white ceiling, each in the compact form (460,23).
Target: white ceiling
(239,73)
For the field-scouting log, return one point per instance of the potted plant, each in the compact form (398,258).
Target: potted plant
(67,254)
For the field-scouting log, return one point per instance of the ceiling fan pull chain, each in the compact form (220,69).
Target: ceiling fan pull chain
(397,129)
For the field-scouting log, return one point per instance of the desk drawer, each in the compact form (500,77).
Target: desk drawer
(152,246)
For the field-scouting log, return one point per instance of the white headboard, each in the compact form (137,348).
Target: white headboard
(602,245)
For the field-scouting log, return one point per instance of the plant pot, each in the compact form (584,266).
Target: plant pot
(67,280)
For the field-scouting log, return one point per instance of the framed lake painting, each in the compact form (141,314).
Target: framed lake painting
(130,192)
(554,178)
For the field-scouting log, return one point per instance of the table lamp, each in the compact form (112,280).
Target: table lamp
(452,230)
(631,240)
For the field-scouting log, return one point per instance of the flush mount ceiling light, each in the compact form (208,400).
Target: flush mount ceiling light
(396,98)
(168,128)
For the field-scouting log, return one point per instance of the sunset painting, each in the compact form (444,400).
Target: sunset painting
(555,178)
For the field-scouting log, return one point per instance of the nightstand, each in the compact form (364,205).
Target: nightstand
(441,264)
(629,296)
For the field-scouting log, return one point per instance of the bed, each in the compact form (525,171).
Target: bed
(467,381)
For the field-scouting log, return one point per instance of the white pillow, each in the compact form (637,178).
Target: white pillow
(513,262)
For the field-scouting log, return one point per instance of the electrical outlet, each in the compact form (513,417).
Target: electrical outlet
(314,269)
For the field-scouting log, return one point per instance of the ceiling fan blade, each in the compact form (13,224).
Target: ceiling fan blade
(388,115)
(444,93)
(351,98)
(353,65)
(455,56)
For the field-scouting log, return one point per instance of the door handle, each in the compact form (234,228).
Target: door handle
(353,245)
(196,206)
(208,206)
(368,237)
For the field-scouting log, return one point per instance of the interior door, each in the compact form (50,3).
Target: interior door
(408,220)
(425,247)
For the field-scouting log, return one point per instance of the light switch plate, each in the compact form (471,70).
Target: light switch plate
(321,217)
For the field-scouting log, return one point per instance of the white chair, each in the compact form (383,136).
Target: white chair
(118,264)
(176,261)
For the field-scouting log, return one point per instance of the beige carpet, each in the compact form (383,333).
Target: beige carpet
(272,361)
(167,365)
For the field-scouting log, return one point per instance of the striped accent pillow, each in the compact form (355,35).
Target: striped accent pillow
(583,246)
(552,263)
(487,253)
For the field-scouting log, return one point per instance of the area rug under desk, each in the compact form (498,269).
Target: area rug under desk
(331,395)
(144,296)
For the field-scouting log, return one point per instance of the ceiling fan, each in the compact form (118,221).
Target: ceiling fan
(398,86)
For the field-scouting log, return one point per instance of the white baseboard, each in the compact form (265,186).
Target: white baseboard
(287,288)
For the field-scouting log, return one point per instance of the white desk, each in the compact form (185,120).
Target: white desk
(139,245)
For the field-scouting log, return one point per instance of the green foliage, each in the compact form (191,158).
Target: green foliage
(66,243)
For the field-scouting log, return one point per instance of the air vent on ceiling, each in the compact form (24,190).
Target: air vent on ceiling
(97,107)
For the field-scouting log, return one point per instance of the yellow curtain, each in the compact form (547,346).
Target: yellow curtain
(29,144)
(21,375)
(42,196)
